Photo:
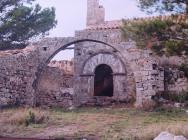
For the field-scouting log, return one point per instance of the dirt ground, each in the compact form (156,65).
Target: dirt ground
(100,123)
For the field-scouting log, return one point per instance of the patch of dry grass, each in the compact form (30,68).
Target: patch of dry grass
(151,131)
(25,116)
(105,123)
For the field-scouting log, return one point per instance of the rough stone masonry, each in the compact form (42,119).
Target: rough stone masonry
(104,63)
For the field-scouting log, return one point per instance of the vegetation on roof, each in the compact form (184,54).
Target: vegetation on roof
(164,36)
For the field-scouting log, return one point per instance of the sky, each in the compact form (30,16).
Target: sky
(71,16)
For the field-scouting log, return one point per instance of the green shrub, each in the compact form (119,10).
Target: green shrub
(169,111)
(158,49)
(162,36)
(174,47)
(180,97)
(184,68)
(30,119)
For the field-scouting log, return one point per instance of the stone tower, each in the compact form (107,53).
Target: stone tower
(95,12)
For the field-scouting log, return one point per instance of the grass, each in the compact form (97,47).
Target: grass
(103,123)
(25,117)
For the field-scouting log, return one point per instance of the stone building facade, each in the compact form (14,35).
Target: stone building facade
(106,67)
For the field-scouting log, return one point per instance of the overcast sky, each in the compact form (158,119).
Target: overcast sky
(71,14)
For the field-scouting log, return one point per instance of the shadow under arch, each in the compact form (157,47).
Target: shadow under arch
(103,81)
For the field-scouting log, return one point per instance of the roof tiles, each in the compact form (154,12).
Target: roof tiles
(116,24)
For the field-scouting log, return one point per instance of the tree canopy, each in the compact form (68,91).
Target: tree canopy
(175,6)
(21,21)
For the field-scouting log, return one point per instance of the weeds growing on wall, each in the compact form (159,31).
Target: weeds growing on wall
(184,68)
(168,36)
(181,97)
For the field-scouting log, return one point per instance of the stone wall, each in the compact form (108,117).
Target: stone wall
(55,88)
(26,79)
(21,84)
(142,75)
(175,80)
(17,74)
(65,65)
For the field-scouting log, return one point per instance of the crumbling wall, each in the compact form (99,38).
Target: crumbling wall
(25,79)
(65,65)
(143,78)
(175,80)
(21,70)
(55,88)
(17,74)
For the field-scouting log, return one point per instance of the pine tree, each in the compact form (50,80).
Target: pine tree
(21,21)
(175,6)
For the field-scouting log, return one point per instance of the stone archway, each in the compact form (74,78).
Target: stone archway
(54,47)
(86,90)
(51,54)
(103,81)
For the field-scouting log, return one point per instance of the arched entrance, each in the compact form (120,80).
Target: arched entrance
(57,48)
(103,81)
(103,69)
(85,65)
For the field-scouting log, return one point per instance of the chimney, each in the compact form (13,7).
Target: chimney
(95,12)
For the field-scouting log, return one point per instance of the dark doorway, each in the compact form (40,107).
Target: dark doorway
(103,85)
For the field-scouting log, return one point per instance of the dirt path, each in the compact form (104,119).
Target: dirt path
(19,139)
(57,131)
